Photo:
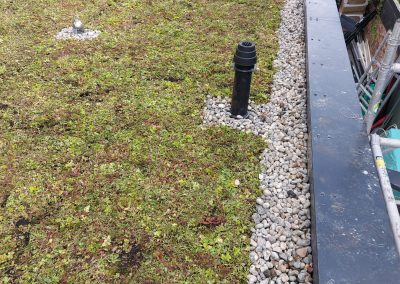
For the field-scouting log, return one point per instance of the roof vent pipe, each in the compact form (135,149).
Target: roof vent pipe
(245,60)
(77,26)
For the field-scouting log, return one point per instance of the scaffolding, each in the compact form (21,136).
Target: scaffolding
(376,143)
(387,68)
(370,88)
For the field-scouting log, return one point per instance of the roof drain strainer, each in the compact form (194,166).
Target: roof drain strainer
(245,60)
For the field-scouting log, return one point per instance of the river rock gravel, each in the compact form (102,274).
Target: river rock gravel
(69,33)
(280,245)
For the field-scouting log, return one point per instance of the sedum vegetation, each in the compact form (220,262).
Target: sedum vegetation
(106,173)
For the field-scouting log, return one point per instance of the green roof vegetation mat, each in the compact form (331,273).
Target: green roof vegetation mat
(106,173)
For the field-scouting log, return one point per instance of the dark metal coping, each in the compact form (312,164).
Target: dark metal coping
(351,235)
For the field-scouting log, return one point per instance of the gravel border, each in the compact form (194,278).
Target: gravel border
(68,33)
(280,250)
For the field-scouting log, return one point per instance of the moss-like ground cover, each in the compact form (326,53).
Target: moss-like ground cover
(106,174)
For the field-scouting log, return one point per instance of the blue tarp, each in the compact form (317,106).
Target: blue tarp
(392,159)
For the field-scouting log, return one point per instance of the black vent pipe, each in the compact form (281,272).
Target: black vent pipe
(245,60)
